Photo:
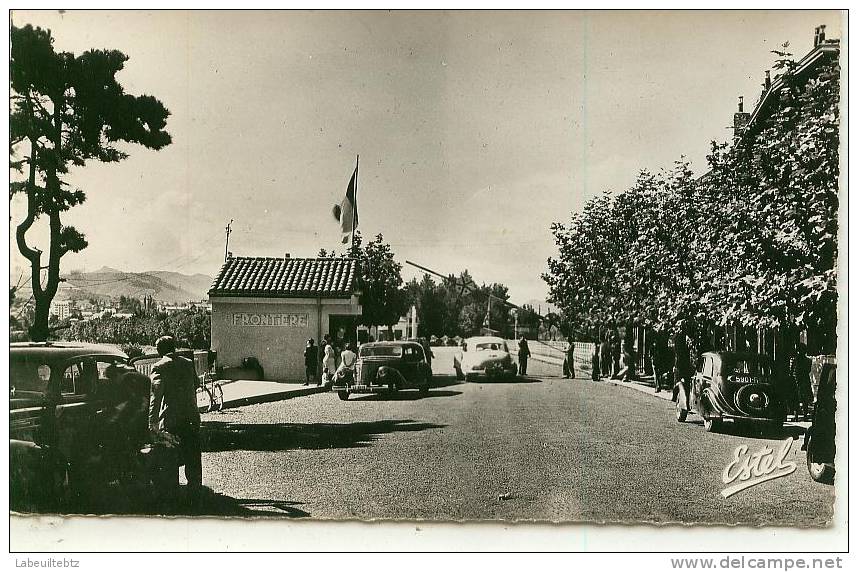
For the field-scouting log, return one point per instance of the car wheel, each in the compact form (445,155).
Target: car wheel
(344,395)
(819,472)
(711,424)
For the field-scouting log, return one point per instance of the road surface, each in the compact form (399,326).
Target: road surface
(546,449)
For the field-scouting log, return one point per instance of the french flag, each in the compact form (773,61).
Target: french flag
(346,212)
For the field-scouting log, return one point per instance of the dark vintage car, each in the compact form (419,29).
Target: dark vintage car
(72,408)
(385,366)
(735,386)
(819,438)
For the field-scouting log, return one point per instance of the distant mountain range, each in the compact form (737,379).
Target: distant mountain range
(164,286)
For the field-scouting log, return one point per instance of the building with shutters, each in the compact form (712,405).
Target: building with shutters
(267,308)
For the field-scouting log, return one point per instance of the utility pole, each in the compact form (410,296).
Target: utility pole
(226,248)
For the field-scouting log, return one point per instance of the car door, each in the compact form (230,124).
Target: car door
(79,404)
(411,358)
(28,386)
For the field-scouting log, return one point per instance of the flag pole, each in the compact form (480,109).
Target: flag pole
(354,221)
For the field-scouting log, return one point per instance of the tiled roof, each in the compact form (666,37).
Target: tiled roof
(285,277)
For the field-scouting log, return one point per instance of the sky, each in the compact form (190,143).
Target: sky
(475,130)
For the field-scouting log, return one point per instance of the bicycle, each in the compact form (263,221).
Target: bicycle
(209,393)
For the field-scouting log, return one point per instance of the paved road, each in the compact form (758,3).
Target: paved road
(543,449)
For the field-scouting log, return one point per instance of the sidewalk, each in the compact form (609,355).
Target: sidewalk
(237,393)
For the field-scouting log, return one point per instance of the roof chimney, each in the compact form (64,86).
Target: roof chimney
(816,36)
(287,256)
(229,255)
(768,83)
(740,119)
(822,34)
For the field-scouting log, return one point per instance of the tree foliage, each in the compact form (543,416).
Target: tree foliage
(751,243)
(66,110)
(192,328)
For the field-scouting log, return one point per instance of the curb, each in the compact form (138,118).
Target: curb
(270,397)
(665,395)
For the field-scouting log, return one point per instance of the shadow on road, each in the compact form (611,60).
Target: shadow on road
(216,504)
(752,431)
(406,395)
(517,379)
(444,381)
(225,436)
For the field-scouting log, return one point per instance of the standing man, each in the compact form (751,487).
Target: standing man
(594,360)
(523,354)
(799,369)
(615,354)
(605,354)
(569,361)
(662,361)
(311,360)
(684,368)
(173,408)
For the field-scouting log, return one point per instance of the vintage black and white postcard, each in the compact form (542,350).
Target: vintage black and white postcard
(429,266)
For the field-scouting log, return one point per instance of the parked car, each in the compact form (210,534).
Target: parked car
(737,386)
(487,356)
(76,412)
(819,438)
(53,407)
(386,366)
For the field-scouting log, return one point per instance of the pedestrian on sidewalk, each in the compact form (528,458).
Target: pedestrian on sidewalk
(311,360)
(662,361)
(616,352)
(173,409)
(523,355)
(684,366)
(329,365)
(799,369)
(605,354)
(595,362)
(629,355)
(569,361)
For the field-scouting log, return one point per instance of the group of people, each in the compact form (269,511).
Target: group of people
(607,354)
(322,362)
(152,424)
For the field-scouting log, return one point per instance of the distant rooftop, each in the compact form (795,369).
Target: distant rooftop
(286,277)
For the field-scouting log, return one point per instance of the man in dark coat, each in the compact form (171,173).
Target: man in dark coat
(173,407)
(605,355)
(616,352)
(311,361)
(523,355)
(684,367)
(662,361)
(569,361)
(799,370)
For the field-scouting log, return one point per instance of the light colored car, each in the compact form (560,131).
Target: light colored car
(487,356)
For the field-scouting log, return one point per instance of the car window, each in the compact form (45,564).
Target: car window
(414,353)
(83,377)
(29,374)
(391,351)
(707,367)
(753,364)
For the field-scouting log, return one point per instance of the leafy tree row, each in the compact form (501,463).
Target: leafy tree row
(753,243)
(191,328)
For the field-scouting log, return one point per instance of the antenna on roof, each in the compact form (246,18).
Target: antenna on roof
(226,252)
